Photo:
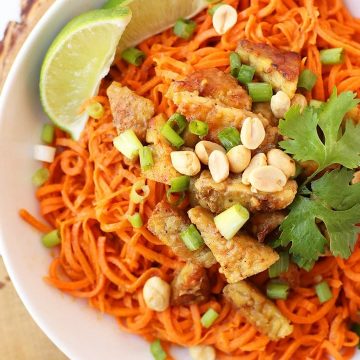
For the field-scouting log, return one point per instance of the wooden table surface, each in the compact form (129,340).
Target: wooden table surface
(20,337)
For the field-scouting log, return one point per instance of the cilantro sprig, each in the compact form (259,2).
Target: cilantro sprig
(337,204)
(304,132)
(320,135)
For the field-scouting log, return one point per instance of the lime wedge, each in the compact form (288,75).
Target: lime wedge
(75,63)
(152,17)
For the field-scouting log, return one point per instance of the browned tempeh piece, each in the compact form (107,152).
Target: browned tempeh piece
(240,257)
(167,223)
(258,310)
(278,67)
(219,197)
(191,285)
(129,110)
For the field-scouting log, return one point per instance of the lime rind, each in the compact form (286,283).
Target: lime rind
(79,57)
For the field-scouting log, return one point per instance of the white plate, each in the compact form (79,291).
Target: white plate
(77,330)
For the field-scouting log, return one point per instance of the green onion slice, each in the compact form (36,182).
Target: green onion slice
(235,62)
(179,197)
(157,351)
(307,79)
(281,266)
(323,291)
(133,56)
(192,238)
(172,136)
(146,158)
(198,127)
(184,28)
(277,290)
(332,56)
(246,74)
(136,220)
(230,221)
(177,122)
(128,144)
(209,318)
(229,137)
(135,197)
(179,184)
(47,133)
(51,239)
(95,110)
(40,177)
(260,92)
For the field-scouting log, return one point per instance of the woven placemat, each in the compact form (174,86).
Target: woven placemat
(20,337)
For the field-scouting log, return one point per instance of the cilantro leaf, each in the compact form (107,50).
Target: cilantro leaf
(305,143)
(335,189)
(337,204)
(300,229)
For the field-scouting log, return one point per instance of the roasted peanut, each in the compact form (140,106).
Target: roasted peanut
(258,160)
(204,148)
(300,100)
(156,294)
(239,158)
(267,179)
(218,166)
(185,162)
(282,161)
(280,104)
(202,352)
(252,133)
(224,18)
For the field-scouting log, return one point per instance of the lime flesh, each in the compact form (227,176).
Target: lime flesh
(75,63)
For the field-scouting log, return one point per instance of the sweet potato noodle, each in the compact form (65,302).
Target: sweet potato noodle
(102,258)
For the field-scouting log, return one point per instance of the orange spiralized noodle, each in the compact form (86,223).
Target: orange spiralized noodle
(102,258)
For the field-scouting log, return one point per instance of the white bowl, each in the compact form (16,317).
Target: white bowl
(77,330)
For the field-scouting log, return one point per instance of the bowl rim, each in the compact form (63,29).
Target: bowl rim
(31,307)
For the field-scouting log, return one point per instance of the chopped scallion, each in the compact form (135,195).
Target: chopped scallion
(307,79)
(133,56)
(229,137)
(184,28)
(277,290)
(235,62)
(175,199)
(179,184)
(40,176)
(135,197)
(47,133)
(260,92)
(95,110)
(246,74)
(332,56)
(192,238)
(136,220)
(128,144)
(280,266)
(177,122)
(51,239)
(146,158)
(172,136)
(157,351)
(323,291)
(198,127)
(230,221)
(209,318)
